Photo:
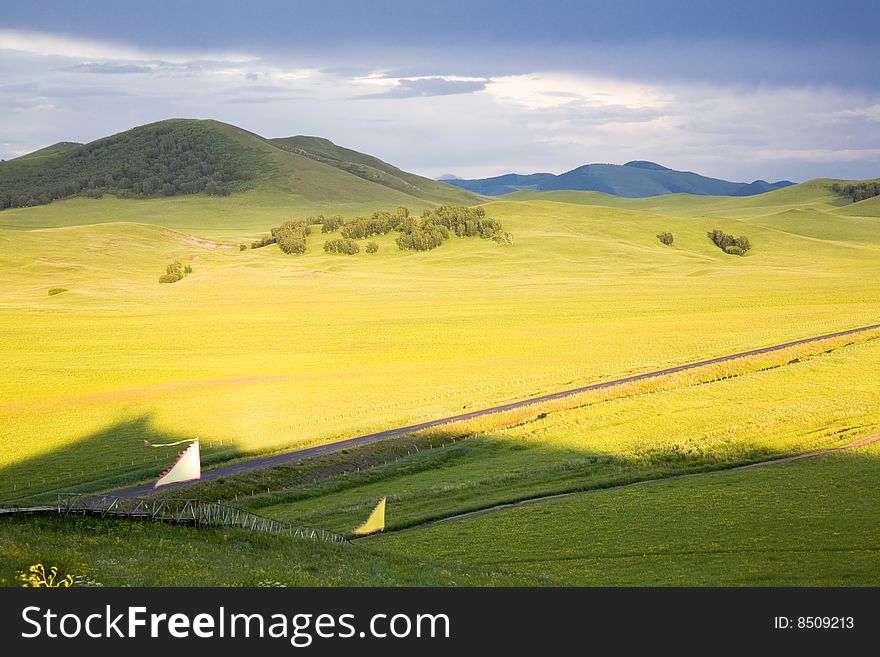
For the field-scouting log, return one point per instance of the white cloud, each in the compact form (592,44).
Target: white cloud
(545,90)
(46,44)
(871,113)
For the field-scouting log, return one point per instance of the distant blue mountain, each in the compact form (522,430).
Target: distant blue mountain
(636,179)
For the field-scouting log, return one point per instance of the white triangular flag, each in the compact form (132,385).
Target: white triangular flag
(188,467)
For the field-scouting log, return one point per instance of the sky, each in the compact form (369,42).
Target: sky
(740,90)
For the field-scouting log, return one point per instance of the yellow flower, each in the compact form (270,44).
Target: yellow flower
(36,577)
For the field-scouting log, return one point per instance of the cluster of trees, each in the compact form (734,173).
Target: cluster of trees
(464,221)
(665,237)
(418,236)
(378,223)
(174,272)
(729,243)
(327,223)
(155,160)
(434,226)
(331,223)
(345,245)
(857,191)
(416,233)
(291,236)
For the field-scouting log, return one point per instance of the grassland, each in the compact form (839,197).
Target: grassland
(257,351)
(805,523)
(725,416)
(131,553)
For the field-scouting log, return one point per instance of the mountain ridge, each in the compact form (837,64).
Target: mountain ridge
(635,179)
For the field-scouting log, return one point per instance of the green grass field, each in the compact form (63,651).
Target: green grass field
(805,523)
(258,352)
(602,439)
(135,553)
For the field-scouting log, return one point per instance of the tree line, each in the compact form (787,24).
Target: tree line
(156,160)
(857,191)
(422,233)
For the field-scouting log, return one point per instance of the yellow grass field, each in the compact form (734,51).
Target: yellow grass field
(257,351)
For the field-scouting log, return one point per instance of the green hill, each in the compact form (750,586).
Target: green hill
(183,157)
(373,169)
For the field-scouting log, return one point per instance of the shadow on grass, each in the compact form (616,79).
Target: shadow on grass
(113,457)
(430,477)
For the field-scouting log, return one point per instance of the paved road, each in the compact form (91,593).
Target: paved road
(297,455)
(554,496)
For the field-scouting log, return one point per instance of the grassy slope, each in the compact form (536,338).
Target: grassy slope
(807,523)
(809,404)
(133,553)
(263,351)
(813,194)
(375,170)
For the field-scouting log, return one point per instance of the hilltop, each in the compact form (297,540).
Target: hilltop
(636,179)
(180,157)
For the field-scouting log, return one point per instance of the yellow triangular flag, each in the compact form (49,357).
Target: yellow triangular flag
(188,467)
(376,521)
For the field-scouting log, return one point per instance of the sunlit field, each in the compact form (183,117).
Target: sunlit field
(258,351)
(738,413)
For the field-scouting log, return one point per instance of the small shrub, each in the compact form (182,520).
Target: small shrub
(729,243)
(503,238)
(263,241)
(372,247)
(175,272)
(665,238)
(242,247)
(56,290)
